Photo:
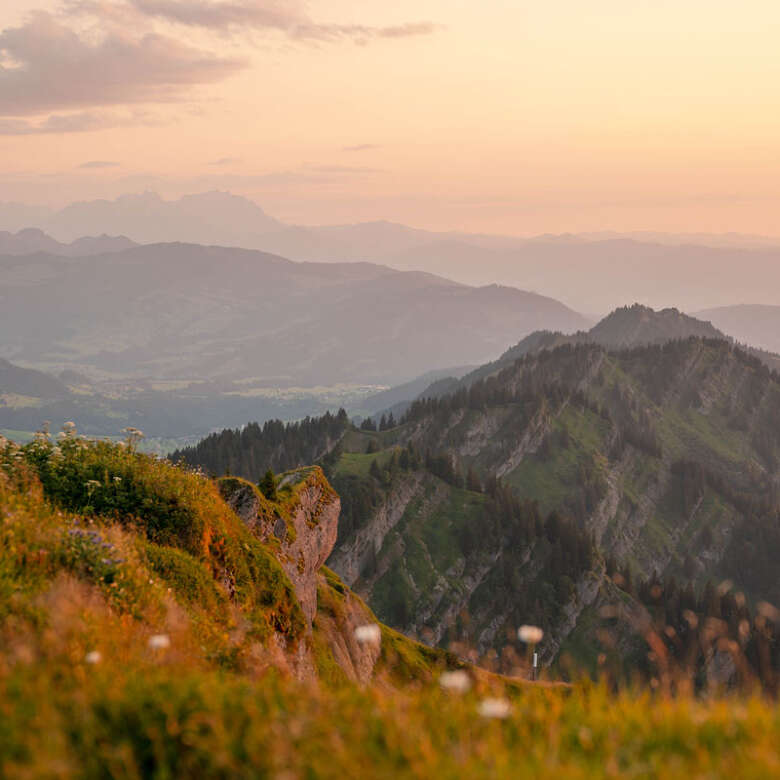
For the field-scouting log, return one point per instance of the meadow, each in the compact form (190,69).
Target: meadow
(123,654)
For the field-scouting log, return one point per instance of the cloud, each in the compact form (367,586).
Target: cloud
(343,169)
(360,147)
(52,67)
(225,161)
(92,55)
(60,123)
(279,15)
(99,164)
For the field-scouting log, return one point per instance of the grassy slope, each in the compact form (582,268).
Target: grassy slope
(218,702)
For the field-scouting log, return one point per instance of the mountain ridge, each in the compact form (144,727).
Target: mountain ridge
(595,270)
(545,475)
(207,311)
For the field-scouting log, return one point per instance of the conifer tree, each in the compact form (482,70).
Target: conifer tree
(267,485)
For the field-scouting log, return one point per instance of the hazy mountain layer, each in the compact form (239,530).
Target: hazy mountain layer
(593,272)
(32,240)
(180,310)
(756,325)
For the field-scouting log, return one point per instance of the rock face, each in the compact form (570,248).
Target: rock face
(302,525)
(304,522)
(349,560)
(341,613)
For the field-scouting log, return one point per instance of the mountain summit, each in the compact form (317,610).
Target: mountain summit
(632,326)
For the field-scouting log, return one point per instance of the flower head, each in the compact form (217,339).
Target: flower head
(159,641)
(369,634)
(457,681)
(495,708)
(531,635)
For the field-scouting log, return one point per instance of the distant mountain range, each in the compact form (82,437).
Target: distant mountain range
(207,218)
(32,240)
(751,324)
(189,311)
(589,271)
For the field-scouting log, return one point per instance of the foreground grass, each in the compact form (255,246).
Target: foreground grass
(145,633)
(157,720)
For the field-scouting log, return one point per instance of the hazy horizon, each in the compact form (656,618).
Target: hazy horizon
(490,117)
(44,209)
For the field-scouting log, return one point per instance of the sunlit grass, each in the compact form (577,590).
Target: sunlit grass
(123,653)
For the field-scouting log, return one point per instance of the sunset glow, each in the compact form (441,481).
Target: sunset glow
(494,116)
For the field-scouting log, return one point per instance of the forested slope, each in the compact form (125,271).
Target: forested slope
(512,497)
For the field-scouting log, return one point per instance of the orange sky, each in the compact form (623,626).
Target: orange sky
(500,116)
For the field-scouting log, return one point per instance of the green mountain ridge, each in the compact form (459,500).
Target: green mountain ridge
(510,499)
(628,326)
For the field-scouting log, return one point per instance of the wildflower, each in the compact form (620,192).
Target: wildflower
(369,634)
(457,681)
(91,485)
(93,657)
(531,635)
(159,641)
(117,480)
(495,708)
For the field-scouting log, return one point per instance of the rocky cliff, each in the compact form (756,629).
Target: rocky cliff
(302,527)
(666,457)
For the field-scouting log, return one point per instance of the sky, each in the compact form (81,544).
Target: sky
(478,115)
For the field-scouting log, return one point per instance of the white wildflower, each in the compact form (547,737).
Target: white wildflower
(159,641)
(495,708)
(117,480)
(457,681)
(531,635)
(369,634)
(93,657)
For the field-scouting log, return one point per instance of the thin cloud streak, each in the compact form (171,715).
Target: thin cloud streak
(98,164)
(60,124)
(285,17)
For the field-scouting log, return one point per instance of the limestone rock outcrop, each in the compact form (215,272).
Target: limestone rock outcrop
(303,522)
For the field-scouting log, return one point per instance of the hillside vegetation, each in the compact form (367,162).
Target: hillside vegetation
(552,486)
(147,631)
